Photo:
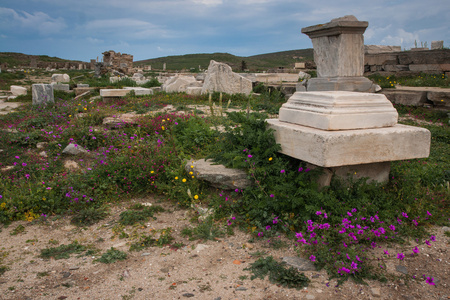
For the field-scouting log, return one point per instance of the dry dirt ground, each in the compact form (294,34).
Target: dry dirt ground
(200,269)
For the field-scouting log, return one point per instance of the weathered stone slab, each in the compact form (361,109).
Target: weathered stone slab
(350,84)
(82,85)
(74,149)
(339,110)
(436,45)
(60,87)
(192,90)
(113,92)
(42,94)
(375,49)
(178,83)
(351,147)
(120,121)
(221,78)
(139,91)
(380,59)
(81,90)
(60,78)
(300,263)
(18,90)
(218,175)
(413,98)
(426,68)
(439,98)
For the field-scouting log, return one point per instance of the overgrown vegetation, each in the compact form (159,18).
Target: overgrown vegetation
(130,161)
(424,80)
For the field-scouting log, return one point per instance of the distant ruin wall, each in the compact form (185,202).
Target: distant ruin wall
(408,62)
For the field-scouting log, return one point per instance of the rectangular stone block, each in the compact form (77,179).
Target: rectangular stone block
(351,147)
(42,94)
(17,90)
(435,45)
(339,110)
(81,90)
(427,68)
(413,98)
(61,87)
(138,91)
(113,92)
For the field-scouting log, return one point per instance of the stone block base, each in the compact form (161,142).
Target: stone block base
(351,147)
(349,84)
(376,172)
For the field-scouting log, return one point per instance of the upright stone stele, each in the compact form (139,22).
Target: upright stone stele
(339,56)
(340,130)
(42,94)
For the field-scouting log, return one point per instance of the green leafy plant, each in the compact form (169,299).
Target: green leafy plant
(63,251)
(88,216)
(139,214)
(111,256)
(278,273)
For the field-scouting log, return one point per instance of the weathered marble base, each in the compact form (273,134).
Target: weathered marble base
(351,147)
(339,110)
(350,84)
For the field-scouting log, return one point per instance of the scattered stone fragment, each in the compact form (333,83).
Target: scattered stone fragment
(309,296)
(41,145)
(73,268)
(221,78)
(43,154)
(218,175)
(201,247)
(74,149)
(188,295)
(375,292)
(300,263)
(445,228)
(66,274)
(70,164)
(401,269)
(241,288)
(145,254)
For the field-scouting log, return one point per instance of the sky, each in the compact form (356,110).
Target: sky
(84,29)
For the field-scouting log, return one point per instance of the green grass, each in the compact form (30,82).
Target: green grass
(148,158)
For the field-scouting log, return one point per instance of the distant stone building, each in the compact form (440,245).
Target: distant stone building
(117,61)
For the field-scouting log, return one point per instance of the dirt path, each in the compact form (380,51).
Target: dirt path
(209,269)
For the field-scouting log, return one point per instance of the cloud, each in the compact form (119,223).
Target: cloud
(37,21)
(92,40)
(208,2)
(127,28)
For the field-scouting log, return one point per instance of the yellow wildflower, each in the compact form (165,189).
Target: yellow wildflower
(196,197)
(184,180)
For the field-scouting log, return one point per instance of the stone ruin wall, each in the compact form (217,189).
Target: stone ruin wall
(408,62)
(117,61)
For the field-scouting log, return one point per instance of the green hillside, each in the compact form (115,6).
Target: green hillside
(20,59)
(259,62)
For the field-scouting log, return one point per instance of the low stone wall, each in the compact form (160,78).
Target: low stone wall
(408,62)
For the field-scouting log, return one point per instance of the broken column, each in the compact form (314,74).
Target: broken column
(345,132)
(339,56)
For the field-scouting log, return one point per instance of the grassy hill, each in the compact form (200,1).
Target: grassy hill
(259,62)
(20,59)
